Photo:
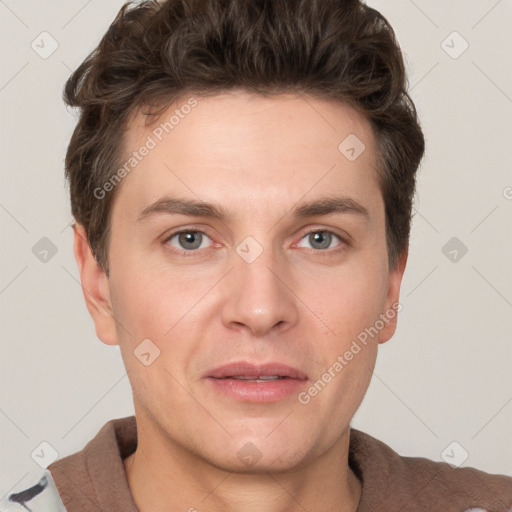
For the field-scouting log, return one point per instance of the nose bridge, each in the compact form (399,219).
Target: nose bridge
(258,296)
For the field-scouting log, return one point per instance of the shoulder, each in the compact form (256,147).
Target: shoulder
(36,491)
(422,483)
(471,485)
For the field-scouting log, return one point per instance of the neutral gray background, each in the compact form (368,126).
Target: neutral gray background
(445,376)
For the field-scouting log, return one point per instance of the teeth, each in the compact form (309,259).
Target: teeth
(260,378)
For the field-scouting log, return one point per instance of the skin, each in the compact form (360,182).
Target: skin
(298,303)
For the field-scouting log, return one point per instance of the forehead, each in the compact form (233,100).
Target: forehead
(304,119)
(248,146)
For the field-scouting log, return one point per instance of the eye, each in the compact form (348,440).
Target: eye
(188,241)
(321,239)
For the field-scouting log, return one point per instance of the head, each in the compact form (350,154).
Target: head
(286,117)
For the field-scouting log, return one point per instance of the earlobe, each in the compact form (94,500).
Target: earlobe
(95,287)
(392,305)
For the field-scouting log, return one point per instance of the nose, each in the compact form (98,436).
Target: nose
(259,296)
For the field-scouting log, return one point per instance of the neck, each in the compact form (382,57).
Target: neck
(166,477)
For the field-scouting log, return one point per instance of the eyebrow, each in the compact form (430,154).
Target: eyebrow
(322,206)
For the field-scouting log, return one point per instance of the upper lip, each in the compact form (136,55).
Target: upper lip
(246,369)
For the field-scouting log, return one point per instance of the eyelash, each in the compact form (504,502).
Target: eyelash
(322,252)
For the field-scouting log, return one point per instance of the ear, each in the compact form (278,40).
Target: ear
(391,306)
(95,287)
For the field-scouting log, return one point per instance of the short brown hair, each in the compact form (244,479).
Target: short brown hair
(156,52)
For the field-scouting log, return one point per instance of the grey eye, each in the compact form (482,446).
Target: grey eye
(188,240)
(320,239)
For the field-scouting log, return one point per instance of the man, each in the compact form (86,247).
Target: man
(241,177)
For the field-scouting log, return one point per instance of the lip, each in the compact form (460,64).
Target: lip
(269,391)
(246,369)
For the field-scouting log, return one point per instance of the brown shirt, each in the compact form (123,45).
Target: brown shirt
(94,478)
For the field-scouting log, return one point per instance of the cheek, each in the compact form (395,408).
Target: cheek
(168,308)
(359,302)
(137,305)
(150,300)
(348,300)
(150,306)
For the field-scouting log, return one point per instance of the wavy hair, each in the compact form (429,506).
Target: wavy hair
(157,52)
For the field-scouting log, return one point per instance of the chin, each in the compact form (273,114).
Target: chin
(257,455)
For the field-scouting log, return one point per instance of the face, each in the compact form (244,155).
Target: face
(285,266)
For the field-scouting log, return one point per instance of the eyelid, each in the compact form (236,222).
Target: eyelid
(179,231)
(345,238)
(186,229)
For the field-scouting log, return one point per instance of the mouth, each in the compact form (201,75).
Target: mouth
(249,382)
(243,370)
(260,378)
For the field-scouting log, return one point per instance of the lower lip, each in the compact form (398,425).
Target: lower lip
(269,391)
